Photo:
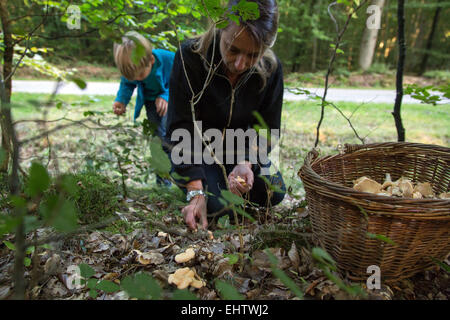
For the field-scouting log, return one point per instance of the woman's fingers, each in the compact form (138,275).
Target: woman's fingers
(189,217)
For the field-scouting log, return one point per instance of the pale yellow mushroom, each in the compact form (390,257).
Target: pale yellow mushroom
(210,235)
(417,195)
(425,189)
(185,256)
(182,278)
(185,277)
(387,181)
(241,181)
(406,187)
(365,184)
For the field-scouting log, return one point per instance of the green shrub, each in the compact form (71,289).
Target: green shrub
(440,75)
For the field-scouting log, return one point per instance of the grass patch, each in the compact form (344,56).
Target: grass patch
(423,124)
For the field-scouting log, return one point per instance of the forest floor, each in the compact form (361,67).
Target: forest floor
(134,245)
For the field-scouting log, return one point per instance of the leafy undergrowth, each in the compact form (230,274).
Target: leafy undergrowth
(133,250)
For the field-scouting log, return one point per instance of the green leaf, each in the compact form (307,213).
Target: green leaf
(29,250)
(18,202)
(280,274)
(141,286)
(380,237)
(323,257)
(224,222)
(183,295)
(79,82)
(10,245)
(159,159)
(232,258)
(176,176)
(231,197)
(227,291)
(65,219)
(27,262)
(93,293)
(244,213)
(69,184)
(92,283)
(247,10)
(2,155)
(138,52)
(31,223)
(108,286)
(38,180)
(443,265)
(86,271)
(222,24)
(8,224)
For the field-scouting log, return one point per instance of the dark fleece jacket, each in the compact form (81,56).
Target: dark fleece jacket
(219,102)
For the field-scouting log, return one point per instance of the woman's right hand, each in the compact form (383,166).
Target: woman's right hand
(119,108)
(195,213)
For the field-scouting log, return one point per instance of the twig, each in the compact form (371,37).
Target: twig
(333,58)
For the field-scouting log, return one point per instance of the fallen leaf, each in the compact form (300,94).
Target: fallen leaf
(151,257)
(293,256)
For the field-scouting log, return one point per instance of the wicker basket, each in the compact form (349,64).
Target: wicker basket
(342,217)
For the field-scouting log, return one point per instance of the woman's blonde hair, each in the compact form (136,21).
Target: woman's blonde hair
(263,30)
(123,53)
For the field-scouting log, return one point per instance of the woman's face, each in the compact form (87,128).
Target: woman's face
(238,49)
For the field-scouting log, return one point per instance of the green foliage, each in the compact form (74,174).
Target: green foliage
(423,93)
(381,238)
(183,295)
(159,160)
(227,291)
(328,265)
(38,181)
(141,286)
(441,264)
(94,285)
(94,195)
(280,274)
(28,251)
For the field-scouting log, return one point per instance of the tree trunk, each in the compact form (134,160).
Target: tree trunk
(10,139)
(423,65)
(7,69)
(400,69)
(369,40)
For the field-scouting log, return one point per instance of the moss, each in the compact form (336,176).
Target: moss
(95,196)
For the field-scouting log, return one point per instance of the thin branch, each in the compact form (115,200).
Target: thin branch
(330,65)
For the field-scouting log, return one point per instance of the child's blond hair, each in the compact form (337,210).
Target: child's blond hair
(123,52)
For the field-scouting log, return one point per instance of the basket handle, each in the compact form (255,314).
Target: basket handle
(312,155)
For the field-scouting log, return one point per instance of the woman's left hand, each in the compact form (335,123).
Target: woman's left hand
(244,172)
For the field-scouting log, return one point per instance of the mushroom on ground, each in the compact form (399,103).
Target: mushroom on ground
(186,256)
(185,277)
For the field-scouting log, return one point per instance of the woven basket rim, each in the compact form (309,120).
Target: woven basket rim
(365,198)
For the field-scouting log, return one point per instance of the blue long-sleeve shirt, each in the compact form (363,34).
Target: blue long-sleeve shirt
(156,85)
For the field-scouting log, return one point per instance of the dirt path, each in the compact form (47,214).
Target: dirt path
(110,88)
